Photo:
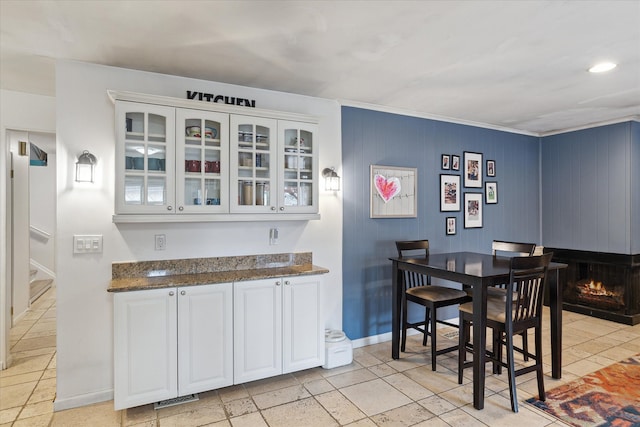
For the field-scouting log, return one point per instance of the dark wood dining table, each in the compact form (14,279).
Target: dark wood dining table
(477,271)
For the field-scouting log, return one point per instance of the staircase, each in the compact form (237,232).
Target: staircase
(37,287)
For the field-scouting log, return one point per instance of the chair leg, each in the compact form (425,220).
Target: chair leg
(525,346)
(426,325)
(404,324)
(512,374)
(497,351)
(539,373)
(432,333)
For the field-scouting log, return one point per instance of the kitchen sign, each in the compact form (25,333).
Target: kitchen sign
(222,99)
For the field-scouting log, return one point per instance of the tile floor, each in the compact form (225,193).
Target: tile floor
(373,391)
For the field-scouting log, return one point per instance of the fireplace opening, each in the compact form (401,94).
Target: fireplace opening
(600,284)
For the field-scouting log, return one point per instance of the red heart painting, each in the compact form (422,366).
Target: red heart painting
(388,188)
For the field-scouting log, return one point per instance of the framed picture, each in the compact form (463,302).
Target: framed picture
(393,193)
(451,225)
(449,193)
(472,169)
(445,161)
(455,162)
(472,210)
(491,192)
(491,168)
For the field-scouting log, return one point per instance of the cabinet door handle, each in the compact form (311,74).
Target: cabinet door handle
(273,208)
(169,208)
(281,208)
(181,208)
(183,292)
(171,293)
(278,283)
(287,283)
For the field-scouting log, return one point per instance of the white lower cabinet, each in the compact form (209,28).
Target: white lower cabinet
(278,327)
(172,342)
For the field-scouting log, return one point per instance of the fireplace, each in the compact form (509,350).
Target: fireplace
(600,284)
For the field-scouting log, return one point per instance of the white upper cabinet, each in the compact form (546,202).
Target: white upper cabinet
(189,161)
(144,158)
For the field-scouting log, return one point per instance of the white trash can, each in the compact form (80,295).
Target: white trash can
(338,349)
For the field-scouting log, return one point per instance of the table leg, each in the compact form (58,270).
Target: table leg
(555,309)
(396,288)
(479,343)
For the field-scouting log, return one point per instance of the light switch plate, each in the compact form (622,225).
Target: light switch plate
(84,244)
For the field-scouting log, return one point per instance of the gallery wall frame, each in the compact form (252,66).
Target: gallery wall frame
(450,226)
(491,193)
(472,169)
(491,168)
(455,162)
(472,210)
(393,192)
(449,193)
(445,163)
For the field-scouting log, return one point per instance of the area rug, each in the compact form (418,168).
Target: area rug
(608,397)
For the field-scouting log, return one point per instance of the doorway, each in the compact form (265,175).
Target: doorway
(32,220)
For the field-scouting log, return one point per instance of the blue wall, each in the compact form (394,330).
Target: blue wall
(372,137)
(587,193)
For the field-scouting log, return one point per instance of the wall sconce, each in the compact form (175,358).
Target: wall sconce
(85,167)
(331,179)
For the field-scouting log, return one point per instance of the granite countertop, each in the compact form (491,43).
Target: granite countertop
(143,275)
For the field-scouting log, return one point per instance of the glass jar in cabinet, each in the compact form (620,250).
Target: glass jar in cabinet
(253,163)
(144,158)
(202,161)
(297,148)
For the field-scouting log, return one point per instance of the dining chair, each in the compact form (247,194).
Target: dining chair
(498,291)
(419,290)
(509,317)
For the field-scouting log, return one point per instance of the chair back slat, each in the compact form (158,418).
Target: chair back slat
(527,279)
(418,249)
(514,247)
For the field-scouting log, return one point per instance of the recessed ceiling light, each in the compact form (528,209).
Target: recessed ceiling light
(602,67)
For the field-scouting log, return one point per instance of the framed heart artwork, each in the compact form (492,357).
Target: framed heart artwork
(393,192)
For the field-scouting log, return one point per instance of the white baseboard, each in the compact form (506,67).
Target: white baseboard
(82,400)
(42,269)
(377,339)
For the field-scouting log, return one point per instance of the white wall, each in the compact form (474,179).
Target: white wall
(18,111)
(86,122)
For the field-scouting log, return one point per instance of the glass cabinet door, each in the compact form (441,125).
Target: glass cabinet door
(145,162)
(298,177)
(253,164)
(202,168)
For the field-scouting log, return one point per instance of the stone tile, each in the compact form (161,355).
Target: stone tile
(319,386)
(36,409)
(407,415)
(139,415)
(270,384)
(195,417)
(7,416)
(382,370)
(236,408)
(235,392)
(374,397)
(340,407)
(249,420)
(280,396)
(460,418)
(39,421)
(97,415)
(365,422)
(16,395)
(44,391)
(351,377)
(437,405)
(407,386)
(25,365)
(497,412)
(309,375)
(301,413)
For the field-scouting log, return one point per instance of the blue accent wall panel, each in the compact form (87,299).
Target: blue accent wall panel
(378,138)
(586,189)
(635,187)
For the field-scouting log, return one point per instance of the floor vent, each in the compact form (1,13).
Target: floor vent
(175,401)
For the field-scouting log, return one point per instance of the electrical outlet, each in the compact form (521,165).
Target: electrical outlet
(161,242)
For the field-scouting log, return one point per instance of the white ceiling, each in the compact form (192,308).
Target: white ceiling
(513,64)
